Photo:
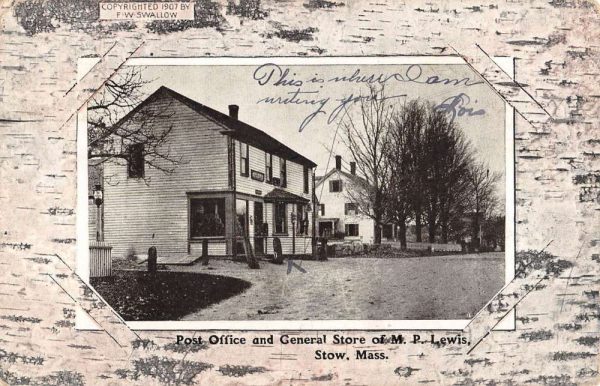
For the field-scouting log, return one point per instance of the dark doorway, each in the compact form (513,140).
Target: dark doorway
(259,229)
(241,231)
(326,228)
(388,231)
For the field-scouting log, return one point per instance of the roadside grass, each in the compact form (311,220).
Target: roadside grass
(164,295)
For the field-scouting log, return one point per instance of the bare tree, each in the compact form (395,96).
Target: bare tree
(108,139)
(366,139)
(484,200)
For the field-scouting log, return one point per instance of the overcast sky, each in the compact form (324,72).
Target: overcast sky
(319,91)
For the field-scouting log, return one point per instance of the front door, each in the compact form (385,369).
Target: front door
(259,232)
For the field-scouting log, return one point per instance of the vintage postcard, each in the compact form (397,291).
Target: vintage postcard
(303,192)
(398,171)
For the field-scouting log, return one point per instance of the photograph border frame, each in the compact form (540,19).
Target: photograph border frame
(82,258)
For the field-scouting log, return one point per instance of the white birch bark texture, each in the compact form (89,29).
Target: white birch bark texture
(557,144)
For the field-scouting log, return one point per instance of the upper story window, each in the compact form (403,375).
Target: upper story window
(305,175)
(335,185)
(350,209)
(268,167)
(135,161)
(283,172)
(244,159)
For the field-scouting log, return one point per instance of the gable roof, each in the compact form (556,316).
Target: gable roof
(233,127)
(352,177)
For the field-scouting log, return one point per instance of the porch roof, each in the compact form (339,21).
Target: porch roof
(278,194)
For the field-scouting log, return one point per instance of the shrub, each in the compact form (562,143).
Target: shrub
(131,254)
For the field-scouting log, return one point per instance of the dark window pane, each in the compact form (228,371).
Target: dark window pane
(351,229)
(135,161)
(207,217)
(350,208)
(283,172)
(301,220)
(305,179)
(335,186)
(280,218)
(268,167)
(244,160)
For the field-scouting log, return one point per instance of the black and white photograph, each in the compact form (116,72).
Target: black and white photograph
(298,190)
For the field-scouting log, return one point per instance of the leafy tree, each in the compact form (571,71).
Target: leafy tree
(404,154)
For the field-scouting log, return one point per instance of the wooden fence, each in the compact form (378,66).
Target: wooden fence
(100,259)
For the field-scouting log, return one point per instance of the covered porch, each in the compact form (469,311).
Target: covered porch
(223,222)
(328,226)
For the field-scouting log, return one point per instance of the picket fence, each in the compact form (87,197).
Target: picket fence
(100,259)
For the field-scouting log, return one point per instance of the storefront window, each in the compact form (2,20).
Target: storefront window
(241,209)
(207,217)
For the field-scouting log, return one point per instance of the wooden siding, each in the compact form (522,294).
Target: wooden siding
(295,185)
(92,220)
(215,248)
(303,242)
(154,212)
(295,177)
(334,207)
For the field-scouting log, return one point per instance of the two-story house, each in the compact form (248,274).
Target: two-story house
(233,180)
(338,215)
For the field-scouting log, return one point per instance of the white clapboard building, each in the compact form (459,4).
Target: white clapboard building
(338,214)
(234,180)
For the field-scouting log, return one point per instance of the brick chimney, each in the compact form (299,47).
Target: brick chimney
(233,111)
(353,168)
(338,162)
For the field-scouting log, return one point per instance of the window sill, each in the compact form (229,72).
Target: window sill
(280,234)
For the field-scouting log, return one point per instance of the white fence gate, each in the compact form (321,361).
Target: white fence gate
(100,259)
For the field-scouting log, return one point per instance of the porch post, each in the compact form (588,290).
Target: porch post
(314,216)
